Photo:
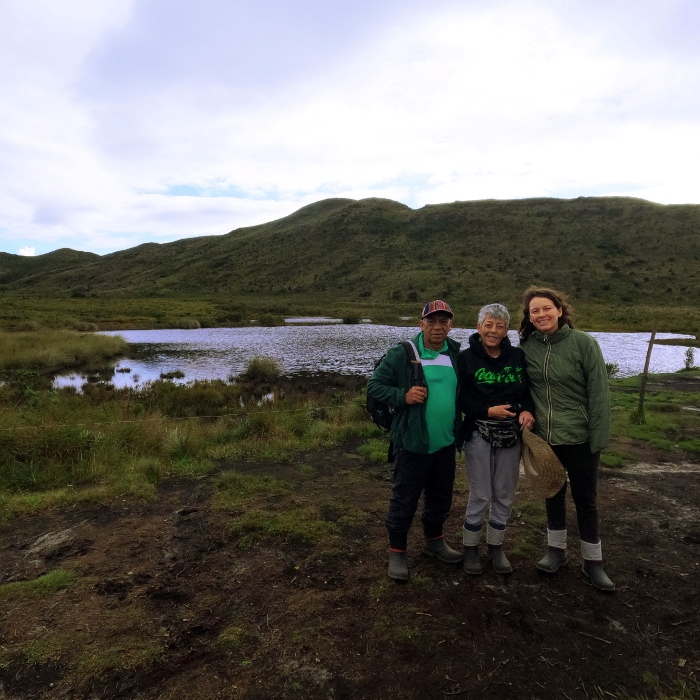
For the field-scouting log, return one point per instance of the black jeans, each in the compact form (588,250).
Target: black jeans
(582,467)
(433,475)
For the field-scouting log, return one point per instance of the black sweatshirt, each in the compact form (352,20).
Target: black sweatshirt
(487,381)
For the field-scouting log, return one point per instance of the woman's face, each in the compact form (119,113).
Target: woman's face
(544,315)
(492,332)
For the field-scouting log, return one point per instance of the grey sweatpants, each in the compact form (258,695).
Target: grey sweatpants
(493,475)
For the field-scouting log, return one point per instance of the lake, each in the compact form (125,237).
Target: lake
(219,353)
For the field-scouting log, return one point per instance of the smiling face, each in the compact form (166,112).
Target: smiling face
(492,331)
(544,315)
(435,329)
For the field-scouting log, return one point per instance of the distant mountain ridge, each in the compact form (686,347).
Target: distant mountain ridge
(595,248)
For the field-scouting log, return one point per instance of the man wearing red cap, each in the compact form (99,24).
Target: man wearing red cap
(423,432)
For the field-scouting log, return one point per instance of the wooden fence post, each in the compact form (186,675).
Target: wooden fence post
(645,373)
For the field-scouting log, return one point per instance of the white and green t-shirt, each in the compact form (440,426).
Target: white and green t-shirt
(441,406)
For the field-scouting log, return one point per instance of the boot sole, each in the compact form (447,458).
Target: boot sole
(398,577)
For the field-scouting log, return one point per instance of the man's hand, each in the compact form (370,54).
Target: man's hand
(416,394)
(501,412)
(527,420)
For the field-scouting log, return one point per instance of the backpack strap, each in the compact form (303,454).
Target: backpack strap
(416,364)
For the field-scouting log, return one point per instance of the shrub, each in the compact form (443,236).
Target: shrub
(612,369)
(261,369)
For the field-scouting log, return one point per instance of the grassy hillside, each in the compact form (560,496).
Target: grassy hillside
(30,268)
(613,256)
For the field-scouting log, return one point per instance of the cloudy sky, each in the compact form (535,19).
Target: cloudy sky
(126,121)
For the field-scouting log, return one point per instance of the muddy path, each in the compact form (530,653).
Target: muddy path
(172,601)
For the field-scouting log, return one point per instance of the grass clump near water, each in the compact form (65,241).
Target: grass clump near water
(52,351)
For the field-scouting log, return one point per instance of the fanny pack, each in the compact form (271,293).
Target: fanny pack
(500,433)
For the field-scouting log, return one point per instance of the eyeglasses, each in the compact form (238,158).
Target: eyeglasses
(437,321)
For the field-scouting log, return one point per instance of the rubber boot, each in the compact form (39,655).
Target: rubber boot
(470,539)
(437,547)
(494,540)
(556,552)
(398,566)
(499,561)
(472,563)
(593,566)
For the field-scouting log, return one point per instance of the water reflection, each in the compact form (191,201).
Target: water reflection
(220,353)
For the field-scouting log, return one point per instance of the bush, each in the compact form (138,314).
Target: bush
(612,369)
(262,370)
(351,319)
(184,323)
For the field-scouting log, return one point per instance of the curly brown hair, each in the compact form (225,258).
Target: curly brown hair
(558,298)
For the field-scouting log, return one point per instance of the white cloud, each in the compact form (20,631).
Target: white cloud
(29,251)
(470,101)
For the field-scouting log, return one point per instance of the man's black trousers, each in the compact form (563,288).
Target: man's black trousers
(414,474)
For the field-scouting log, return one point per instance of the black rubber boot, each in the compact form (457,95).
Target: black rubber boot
(398,566)
(552,560)
(593,570)
(472,563)
(499,561)
(438,548)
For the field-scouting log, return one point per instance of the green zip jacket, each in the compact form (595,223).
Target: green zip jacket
(569,385)
(389,384)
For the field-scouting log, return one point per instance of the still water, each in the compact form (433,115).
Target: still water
(219,353)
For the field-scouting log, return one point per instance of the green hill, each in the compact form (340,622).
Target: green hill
(373,252)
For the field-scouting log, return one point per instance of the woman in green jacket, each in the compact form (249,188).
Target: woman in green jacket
(569,386)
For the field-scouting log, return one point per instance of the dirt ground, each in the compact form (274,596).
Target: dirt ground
(168,604)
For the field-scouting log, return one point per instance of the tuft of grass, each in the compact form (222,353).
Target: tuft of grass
(50,583)
(234,489)
(261,370)
(234,638)
(376,450)
(129,654)
(301,525)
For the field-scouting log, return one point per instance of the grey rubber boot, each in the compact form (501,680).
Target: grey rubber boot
(499,561)
(398,566)
(593,570)
(438,548)
(552,560)
(592,553)
(472,563)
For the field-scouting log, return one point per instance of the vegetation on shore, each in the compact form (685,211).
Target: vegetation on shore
(53,351)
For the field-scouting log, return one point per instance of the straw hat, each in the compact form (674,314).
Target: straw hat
(542,468)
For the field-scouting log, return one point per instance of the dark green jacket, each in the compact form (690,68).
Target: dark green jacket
(389,384)
(569,385)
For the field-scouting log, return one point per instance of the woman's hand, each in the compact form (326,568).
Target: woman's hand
(501,412)
(527,420)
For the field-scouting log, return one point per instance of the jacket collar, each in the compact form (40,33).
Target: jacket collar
(555,337)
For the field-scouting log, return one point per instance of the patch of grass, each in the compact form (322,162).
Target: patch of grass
(50,583)
(234,638)
(306,470)
(129,654)
(234,489)
(303,525)
(375,450)
(51,648)
(51,351)
(612,460)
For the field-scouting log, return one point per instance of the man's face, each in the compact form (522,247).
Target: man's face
(435,329)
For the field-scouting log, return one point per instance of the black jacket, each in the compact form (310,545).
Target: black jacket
(487,381)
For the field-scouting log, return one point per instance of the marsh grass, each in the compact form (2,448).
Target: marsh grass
(51,351)
(58,447)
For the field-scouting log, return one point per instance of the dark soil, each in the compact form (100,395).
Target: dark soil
(159,582)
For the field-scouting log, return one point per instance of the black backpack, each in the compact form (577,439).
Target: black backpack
(379,412)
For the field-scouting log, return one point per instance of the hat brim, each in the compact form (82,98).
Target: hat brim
(542,468)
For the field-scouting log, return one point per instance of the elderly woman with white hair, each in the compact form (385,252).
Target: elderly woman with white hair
(495,400)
